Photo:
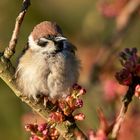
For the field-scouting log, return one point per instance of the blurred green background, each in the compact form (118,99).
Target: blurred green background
(85,26)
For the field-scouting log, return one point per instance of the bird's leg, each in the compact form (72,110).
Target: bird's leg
(45,100)
(38,98)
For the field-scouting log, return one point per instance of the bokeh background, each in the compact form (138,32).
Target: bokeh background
(98,30)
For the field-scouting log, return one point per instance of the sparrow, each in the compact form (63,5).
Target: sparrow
(48,65)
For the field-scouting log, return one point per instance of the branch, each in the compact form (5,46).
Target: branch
(124,17)
(126,101)
(10,50)
(119,121)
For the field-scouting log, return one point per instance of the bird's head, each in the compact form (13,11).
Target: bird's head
(47,37)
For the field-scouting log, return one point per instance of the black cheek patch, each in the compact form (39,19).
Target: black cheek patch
(42,43)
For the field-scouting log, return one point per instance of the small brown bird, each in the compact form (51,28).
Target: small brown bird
(49,65)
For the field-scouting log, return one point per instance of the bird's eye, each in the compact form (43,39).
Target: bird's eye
(50,37)
(42,42)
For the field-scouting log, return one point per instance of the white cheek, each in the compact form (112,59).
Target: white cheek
(32,44)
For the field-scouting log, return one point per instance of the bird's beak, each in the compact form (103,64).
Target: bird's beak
(60,38)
